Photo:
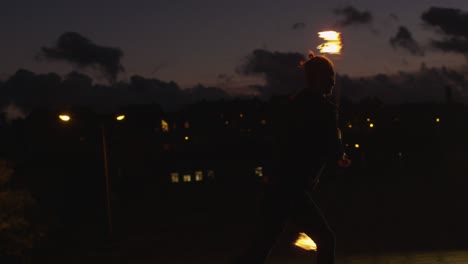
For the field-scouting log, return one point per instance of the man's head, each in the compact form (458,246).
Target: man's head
(320,74)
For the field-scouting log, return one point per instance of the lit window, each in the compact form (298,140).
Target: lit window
(187,178)
(164,126)
(210,174)
(198,176)
(186,124)
(174,177)
(259,171)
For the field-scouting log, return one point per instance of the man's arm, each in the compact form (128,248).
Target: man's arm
(335,139)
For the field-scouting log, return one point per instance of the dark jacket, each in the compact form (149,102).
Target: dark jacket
(306,137)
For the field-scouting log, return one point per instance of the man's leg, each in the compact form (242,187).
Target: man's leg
(273,216)
(311,221)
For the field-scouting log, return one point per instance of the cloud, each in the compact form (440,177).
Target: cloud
(298,25)
(451,21)
(203,93)
(352,16)
(451,24)
(424,85)
(279,69)
(225,78)
(282,76)
(404,40)
(30,90)
(82,52)
(13,112)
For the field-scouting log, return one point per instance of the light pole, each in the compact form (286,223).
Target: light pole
(67,118)
(106,175)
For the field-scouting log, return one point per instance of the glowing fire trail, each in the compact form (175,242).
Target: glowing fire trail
(305,242)
(333,44)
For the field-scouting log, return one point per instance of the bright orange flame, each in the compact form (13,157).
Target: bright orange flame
(333,43)
(305,242)
(330,35)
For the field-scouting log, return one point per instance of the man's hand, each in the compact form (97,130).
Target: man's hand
(344,162)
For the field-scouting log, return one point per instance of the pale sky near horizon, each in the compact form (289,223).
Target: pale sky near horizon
(193,42)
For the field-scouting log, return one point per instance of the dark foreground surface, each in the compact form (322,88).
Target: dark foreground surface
(410,212)
(374,222)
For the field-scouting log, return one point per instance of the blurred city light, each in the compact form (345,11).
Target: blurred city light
(437,120)
(120,117)
(259,171)
(164,126)
(187,178)
(174,177)
(198,176)
(357,146)
(371,125)
(65,118)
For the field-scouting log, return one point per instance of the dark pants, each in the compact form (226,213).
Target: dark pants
(279,207)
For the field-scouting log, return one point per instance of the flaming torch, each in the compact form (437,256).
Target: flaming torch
(333,43)
(305,242)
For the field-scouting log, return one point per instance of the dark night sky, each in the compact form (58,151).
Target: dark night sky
(192,42)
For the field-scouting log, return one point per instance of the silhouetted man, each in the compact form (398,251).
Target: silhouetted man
(306,139)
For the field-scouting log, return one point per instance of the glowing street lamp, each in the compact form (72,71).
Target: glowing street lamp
(65,118)
(120,117)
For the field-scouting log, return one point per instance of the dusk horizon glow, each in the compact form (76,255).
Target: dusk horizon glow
(209,44)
